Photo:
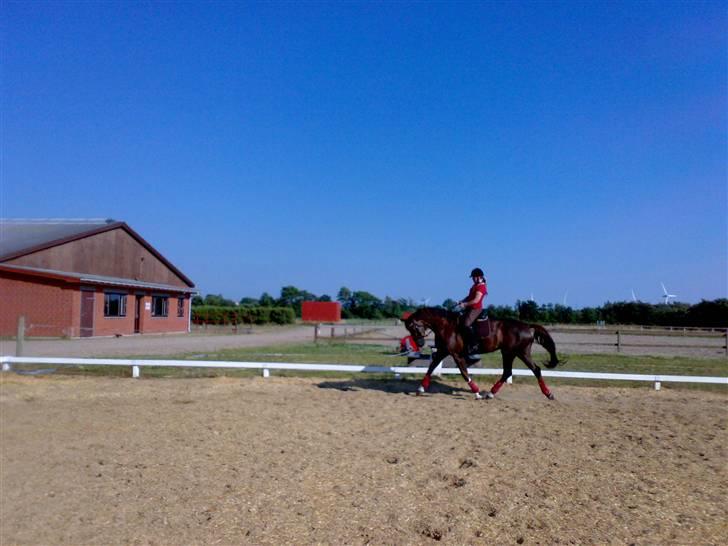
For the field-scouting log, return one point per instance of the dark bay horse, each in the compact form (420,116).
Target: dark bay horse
(513,337)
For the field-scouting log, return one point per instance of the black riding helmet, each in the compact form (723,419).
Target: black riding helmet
(477,272)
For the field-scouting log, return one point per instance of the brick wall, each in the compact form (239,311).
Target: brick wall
(47,307)
(109,326)
(52,308)
(170,323)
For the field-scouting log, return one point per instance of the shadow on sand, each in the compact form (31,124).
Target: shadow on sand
(394,386)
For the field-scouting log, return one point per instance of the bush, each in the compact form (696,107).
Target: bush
(208,314)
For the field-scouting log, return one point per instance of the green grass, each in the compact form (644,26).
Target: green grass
(366,354)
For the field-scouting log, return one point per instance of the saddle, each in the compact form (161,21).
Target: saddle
(481,325)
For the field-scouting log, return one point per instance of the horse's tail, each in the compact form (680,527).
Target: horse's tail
(544,339)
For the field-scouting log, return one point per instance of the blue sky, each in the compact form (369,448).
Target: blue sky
(570,149)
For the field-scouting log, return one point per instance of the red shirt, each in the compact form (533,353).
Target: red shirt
(479,288)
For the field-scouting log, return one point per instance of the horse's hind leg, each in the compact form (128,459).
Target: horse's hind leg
(462,366)
(507,372)
(526,357)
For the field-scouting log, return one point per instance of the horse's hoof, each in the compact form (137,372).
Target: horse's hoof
(420,390)
(550,396)
(478,396)
(488,395)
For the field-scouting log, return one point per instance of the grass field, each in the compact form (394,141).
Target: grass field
(367,354)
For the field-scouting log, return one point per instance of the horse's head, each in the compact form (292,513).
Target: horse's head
(417,328)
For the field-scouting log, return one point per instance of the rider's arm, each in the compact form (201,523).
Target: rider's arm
(473,301)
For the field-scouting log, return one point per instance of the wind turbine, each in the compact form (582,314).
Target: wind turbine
(666,295)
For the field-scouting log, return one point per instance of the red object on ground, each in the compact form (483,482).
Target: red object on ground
(408,344)
(321,311)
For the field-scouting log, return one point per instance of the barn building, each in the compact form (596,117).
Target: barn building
(81,278)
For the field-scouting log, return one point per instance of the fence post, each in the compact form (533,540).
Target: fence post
(135,372)
(266,372)
(619,342)
(20,338)
(726,342)
(332,332)
(315,332)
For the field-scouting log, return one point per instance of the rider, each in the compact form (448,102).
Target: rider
(472,307)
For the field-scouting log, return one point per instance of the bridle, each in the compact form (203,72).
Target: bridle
(420,332)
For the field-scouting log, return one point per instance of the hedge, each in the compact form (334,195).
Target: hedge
(208,314)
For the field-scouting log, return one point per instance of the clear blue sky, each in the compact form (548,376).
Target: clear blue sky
(391,147)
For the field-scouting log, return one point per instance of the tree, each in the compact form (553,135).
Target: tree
(344,298)
(527,310)
(266,300)
(709,313)
(365,305)
(449,304)
(250,302)
(197,300)
(217,300)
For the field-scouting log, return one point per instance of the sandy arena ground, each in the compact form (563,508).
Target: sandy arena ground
(327,461)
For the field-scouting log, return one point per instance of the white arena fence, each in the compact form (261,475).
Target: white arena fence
(136,366)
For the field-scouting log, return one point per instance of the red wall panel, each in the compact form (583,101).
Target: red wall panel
(321,311)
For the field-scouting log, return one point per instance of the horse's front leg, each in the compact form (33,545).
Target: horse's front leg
(437,357)
(462,366)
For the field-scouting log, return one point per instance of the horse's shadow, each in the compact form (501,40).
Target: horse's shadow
(392,386)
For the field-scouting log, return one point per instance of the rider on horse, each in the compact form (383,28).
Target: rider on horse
(472,308)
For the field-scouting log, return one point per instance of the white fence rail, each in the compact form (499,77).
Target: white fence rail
(136,365)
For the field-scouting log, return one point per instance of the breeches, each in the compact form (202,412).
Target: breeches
(469,316)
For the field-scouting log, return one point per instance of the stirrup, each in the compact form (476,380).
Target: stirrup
(472,358)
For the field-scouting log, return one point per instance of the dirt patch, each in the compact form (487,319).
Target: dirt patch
(306,460)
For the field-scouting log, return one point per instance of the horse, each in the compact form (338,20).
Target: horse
(513,337)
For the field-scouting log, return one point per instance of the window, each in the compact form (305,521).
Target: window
(180,307)
(159,306)
(114,305)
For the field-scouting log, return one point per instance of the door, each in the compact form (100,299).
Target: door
(137,314)
(87,313)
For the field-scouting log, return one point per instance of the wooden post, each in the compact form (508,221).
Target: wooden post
(20,339)
(332,332)
(315,332)
(726,342)
(619,342)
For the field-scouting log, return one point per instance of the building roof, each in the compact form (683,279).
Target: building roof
(19,237)
(93,279)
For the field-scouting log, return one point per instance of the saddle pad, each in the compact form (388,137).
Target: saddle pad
(482,327)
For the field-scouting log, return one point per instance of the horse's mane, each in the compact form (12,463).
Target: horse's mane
(438,312)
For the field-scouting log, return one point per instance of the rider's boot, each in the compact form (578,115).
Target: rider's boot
(471,345)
